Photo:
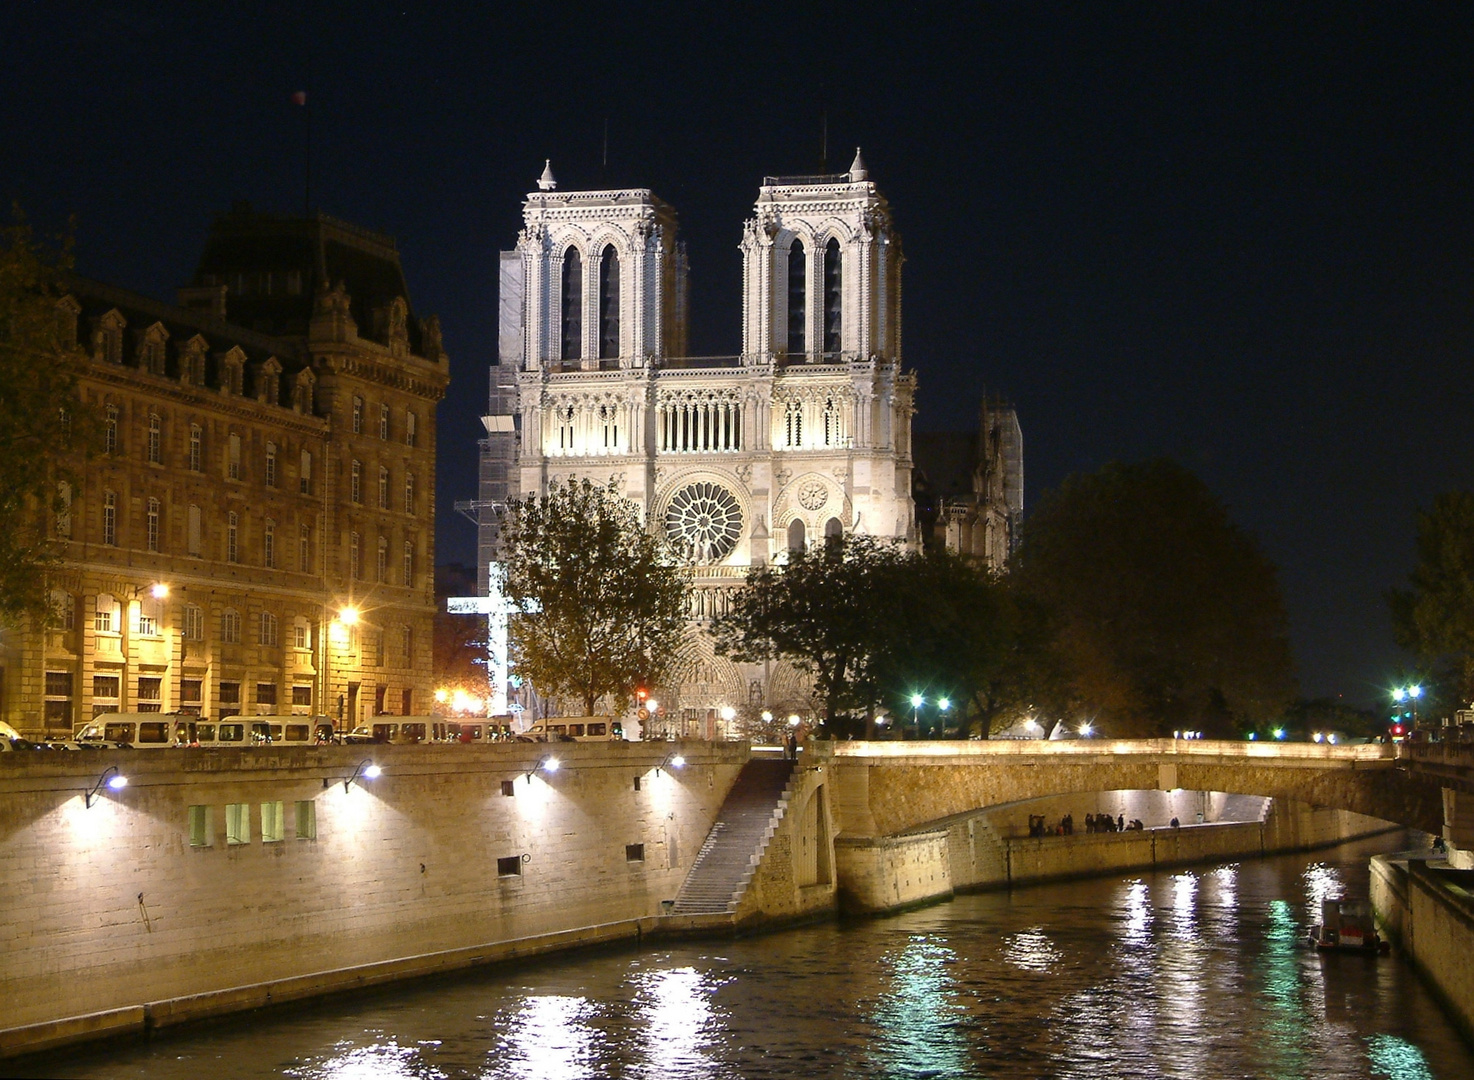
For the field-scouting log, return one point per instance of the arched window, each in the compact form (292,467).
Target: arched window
(269,632)
(572,305)
(155,439)
(230,626)
(796,535)
(798,291)
(268,545)
(793,423)
(151,521)
(609,304)
(833,532)
(110,431)
(833,297)
(271,464)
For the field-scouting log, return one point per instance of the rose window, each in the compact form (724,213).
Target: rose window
(704,521)
(813,495)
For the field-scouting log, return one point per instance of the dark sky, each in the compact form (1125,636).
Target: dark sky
(1236,235)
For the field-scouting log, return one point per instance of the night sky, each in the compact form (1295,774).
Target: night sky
(1238,237)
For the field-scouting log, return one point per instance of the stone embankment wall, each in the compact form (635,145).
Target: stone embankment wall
(970,851)
(795,878)
(1428,910)
(172,898)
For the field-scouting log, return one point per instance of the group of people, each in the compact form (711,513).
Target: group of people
(1106,823)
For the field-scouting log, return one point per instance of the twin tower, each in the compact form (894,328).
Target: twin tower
(737,459)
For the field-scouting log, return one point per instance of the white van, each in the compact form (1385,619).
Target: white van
(143,731)
(577,729)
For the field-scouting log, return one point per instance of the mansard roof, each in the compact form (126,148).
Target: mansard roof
(273,266)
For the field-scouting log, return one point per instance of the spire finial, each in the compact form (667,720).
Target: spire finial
(547,182)
(857,168)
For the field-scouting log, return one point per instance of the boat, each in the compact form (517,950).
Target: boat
(1346,926)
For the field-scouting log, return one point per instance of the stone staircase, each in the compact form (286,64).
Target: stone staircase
(734,847)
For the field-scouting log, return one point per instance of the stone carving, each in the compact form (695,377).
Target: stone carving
(813,495)
(782,476)
(744,473)
(704,521)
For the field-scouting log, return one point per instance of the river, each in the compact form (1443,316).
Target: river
(1200,972)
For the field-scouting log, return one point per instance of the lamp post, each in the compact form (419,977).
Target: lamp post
(943,704)
(1410,694)
(916,700)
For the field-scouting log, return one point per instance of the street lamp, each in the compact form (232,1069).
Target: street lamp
(1410,694)
(943,704)
(916,700)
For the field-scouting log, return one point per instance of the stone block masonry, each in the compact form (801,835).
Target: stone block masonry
(140,909)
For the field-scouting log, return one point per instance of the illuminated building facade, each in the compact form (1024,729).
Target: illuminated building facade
(269,456)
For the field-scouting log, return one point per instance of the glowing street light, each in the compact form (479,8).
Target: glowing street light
(1279,733)
(159,591)
(348,616)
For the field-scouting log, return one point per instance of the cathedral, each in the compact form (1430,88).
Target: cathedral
(738,459)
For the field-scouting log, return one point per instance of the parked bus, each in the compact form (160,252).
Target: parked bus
(157,731)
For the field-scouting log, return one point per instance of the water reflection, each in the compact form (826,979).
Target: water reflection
(676,1007)
(547,1038)
(917,1019)
(1031,950)
(381,1061)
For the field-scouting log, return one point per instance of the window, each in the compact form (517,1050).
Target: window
(63,510)
(155,439)
(152,520)
(273,823)
(572,305)
(373,656)
(383,569)
(230,693)
(609,304)
(150,693)
(238,823)
(833,297)
(196,448)
(409,428)
(64,609)
(357,415)
(831,422)
(304,549)
(509,788)
(383,488)
(511,866)
(110,431)
(233,458)
(306,820)
(201,826)
(796,535)
(353,556)
(355,484)
(268,634)
(192,692)
(232,537)
(793,423)
(302,694)
(304,478)
(194,623)
(266,693)
(105,619)
(195,531)
(268,545)
(230,633)
(271,464)
(634,852)
(407,646)
(797,295)
(301,633)
(409,493)
(384,422)
(409,564)
(59,699)
(110,518)
(150,612)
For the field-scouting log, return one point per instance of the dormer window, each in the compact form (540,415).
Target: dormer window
(232,365)
(192,361)
(268,381)
(302,392)
(107,339)
(151,349)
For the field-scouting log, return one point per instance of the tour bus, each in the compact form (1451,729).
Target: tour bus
(155,731)
(578,729)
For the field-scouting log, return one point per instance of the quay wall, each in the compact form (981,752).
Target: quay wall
(1427,908)
(140,910)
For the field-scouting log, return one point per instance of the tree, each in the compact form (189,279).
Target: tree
(1162,613)
(459,641)
(1435,617)
(41,416)
(826,611)
(610,600)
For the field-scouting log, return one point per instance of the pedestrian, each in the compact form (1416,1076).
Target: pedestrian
(1120,822)
(1176,824)
(790,746)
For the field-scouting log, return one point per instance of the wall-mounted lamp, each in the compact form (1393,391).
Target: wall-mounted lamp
(548,765)
(672,761)
(366,769)
(117,783)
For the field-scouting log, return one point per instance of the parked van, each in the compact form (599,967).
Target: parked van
(143,731)
(408,730)
(577,729)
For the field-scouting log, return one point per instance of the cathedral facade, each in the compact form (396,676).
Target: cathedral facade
(737,459)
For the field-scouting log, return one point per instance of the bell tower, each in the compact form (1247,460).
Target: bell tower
(821,271)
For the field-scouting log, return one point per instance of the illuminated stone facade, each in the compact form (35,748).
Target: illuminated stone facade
(738,459)
(269,456)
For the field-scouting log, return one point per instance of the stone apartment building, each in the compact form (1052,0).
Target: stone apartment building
(257,535)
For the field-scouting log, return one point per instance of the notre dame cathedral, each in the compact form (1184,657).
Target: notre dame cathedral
(739,459)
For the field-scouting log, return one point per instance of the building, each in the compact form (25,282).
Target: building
(969,486)
(258,534)
(738,459)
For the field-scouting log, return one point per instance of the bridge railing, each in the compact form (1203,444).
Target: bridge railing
(1003,749)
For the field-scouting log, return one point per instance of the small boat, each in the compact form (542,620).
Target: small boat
(1346,926)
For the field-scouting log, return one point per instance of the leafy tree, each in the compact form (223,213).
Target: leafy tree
(41,415)
(1162,613)
(1435,617)
(459,641)
(824,610)
(611,600)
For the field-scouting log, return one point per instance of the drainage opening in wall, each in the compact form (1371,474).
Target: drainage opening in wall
(511,866)
(634,852)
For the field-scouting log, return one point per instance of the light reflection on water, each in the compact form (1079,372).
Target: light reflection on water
(1193,973)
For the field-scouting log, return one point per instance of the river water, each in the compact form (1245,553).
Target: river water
(1193,973)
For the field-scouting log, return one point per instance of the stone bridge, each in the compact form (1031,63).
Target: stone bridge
(885,788)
